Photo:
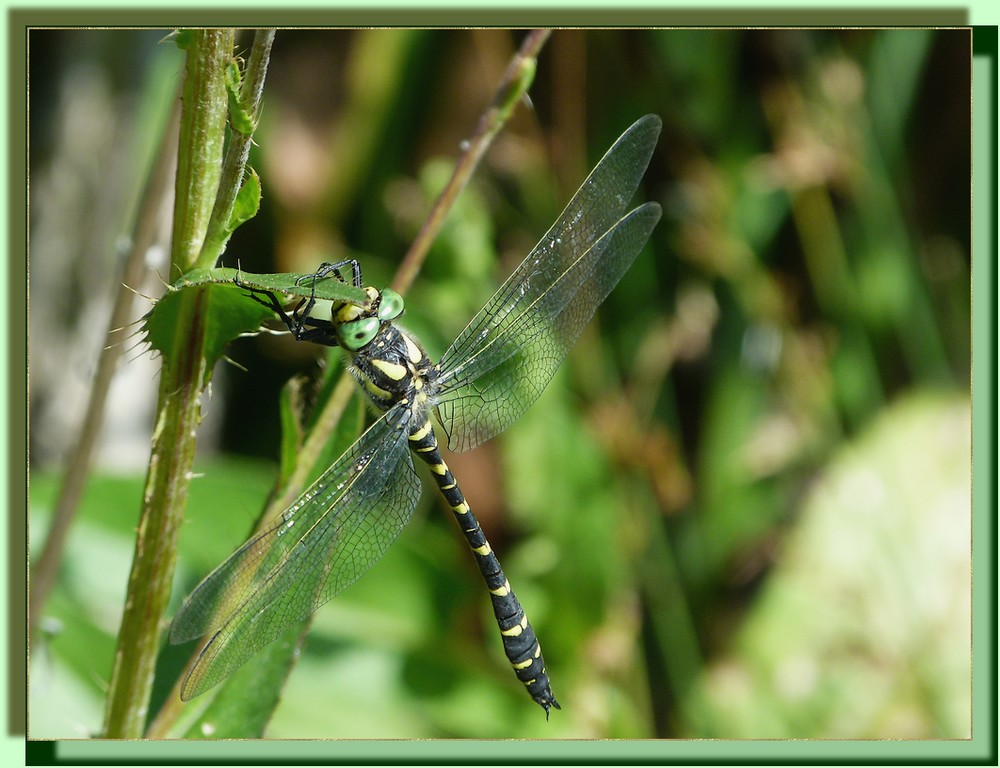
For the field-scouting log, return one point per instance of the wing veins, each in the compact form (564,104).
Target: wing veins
(615,178)
(452,380)
(205,674)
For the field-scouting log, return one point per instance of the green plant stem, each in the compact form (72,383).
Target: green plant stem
(202,135)
(165,494)
(251,92)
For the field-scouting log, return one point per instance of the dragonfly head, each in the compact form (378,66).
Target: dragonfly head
(358,324)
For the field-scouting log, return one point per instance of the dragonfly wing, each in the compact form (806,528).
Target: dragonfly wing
(525,330)
(333,533)
(506,375)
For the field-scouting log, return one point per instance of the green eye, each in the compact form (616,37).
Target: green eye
(391,305)
(355,334)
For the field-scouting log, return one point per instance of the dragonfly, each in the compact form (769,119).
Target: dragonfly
(340,526)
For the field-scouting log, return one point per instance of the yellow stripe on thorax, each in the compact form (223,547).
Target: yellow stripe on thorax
(413,352)
(394,371)
(374,388)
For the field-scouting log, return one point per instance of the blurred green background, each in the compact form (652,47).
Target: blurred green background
(741,509)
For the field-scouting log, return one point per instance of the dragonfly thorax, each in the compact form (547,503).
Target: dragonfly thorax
(394,368)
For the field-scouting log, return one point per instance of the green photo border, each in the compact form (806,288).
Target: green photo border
(521,14)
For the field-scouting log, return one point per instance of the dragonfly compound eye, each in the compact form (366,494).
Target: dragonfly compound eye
(357,333)
(390,305)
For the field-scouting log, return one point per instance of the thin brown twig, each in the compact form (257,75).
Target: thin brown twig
(513,85)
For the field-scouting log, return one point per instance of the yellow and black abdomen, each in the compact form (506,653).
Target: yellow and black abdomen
(391,369)
(519,641)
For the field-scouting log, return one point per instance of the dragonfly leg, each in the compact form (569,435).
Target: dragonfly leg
(299,323)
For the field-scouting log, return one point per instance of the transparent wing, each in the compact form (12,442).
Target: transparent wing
(502,361)
(333,533)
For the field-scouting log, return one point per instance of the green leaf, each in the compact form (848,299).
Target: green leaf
(348,428)
(247,201)
(330,289)
(299,408)
(245,702)
(240,120)
(292,432)
(862,629)
(230,314)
